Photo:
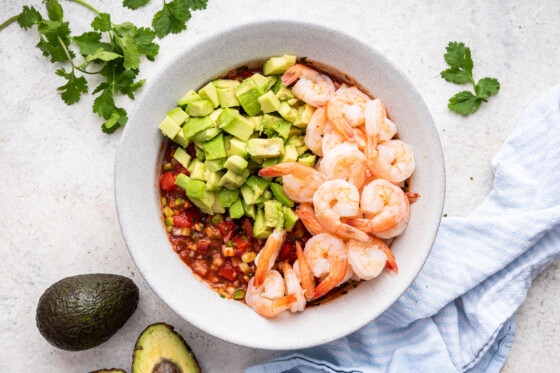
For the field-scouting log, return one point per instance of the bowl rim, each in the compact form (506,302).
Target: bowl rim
(271,22)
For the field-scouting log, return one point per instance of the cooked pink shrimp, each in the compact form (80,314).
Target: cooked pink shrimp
(313,88)
(331,138)
(299,181)
(336,199)
(306,214)
(391,160)
(321,251)
(384,205)
(255,298)
(346,110)
(335,277)
(268,254)
(345,162)
(305,273)
(367,259)
(293,287)
(399,228)
(377,123)
(314,131)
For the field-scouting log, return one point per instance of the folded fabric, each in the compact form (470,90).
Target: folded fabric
(458,314)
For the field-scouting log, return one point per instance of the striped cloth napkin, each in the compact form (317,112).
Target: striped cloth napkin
(458,314)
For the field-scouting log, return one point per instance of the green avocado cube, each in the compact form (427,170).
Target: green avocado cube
(215,164)
(235,124)
(180,139)
(278,65)
(258,183)
(182,157)
(182,181)
(197,170)
(273,214)
(277,85)
(236,210)
(265,148)
(227,97)
(284,93)
(217,208)
(206,135)
(200,108)
(250,210)
(228,196)
(188,98)
(278,192)
(264,83)
(282,128)
(226,83)
(295,140)
(236,164)
(196,125)
(213,179)
(267,195)
(260,230)
(270,162)
(290,154)
(246,173)
(215,148)
(209,92)
(304,114)
(292,102)
(287,112)
(207,200)
(269,103)
(231,180)
(199,152)
(237,147)
(302,149)
(290,219)
(214,116)
(307,159)
(169,127)
(196,190)
(257,123)
(178,115)
(248,194)
(248,94)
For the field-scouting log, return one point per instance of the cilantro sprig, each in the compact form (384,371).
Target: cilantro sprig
(458,57)
(113,50)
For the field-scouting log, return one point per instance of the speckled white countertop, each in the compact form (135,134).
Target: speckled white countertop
(57,212)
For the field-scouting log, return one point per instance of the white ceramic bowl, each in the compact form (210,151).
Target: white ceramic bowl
(137,195)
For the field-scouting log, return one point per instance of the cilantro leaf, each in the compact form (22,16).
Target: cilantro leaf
(198,4)
(117,119)
(102,22)
(464,103)
(54,10)
(487,87)
(126,29)
(144,43)
(454,75)
(172,18)
(103,55)
(455,55)
(104,104)
(29,17)
(468,62)
(130,52)
(73,88)
(53,35)
(89,42)
(135,4)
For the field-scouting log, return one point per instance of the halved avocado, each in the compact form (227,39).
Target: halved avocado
(160,350)
(112,370)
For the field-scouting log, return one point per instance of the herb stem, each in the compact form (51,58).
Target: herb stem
(66,51)
(86,5)
(8,21)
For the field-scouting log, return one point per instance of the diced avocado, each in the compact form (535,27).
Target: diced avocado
(236,164)
(182,181)
(182,157)
(236,210)
(231,181)
(295,132)
(246,173)
(278,192)
(262,82)
(290,154)
(282,128)
(268,124)
(273,214)
(200,108)
(225,83)
(250,210)
(228,197)
(287,112)
(304,114)
(210,93)
(260,205)
(199,152)
(188,98)
(217,208)
(248,194)
(169,127)
(295,141)
(292,102)
(206,135)
(260,230)
(202,205)
(265,148)
(302,149)
(278,65)
(215,148)
(284,93)
(234,123)
(214,115)
(237,147)
(257,123)
(307,159)
(270,162)
(196,125)
(277,85)
(196,190)
(213,179)
(227,97)
(269,102)
(248,93)
(267,195)
(290,219)
(178,116)
(215,164)
(198,170)
(180,139)
(258,183)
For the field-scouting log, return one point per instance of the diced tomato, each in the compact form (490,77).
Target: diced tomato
(228,271)
(179,169)
(226,227)
(182,221)
(240,245)
(248,227)
(191,150)
(285,251)
(202,245)
(167,181)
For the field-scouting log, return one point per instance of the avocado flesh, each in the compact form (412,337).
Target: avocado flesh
(81,312)
(160,349)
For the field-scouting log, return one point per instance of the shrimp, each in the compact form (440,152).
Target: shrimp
(391,160)
(314,131)
(335,277)
(335,199)
(304,273)
(345,162)
(268,255)
(313,88)
(346,110)
(366,258)
(299,181)
(321,251)
(293,287)
(384,205)
(307,216)
(255,298)
(331,138)
(377,123)
(399,228)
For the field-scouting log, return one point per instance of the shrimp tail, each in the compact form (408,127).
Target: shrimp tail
(271,247)
(361,224)
(345,129)
(271,308)
(307,215)
(391,264)
(336,275)
(307,278)
(349,232)
(291,75)
(412,197)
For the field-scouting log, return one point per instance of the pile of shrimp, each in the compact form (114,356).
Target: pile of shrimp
(352,202)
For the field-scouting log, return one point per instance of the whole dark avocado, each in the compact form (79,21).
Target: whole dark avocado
(81,312)
(159,349)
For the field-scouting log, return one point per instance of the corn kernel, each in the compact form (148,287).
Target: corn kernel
(244,267)
(227,251)
(248,257)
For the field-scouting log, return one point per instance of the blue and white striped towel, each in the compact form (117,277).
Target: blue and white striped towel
(458,314)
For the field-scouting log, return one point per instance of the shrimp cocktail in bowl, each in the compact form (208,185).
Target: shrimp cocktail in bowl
(291,189)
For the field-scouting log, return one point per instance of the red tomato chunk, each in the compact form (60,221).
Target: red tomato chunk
(240,245)
(228,271)
(167,181)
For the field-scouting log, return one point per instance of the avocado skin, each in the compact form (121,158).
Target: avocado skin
(112,370)
(81,312)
